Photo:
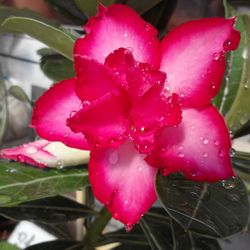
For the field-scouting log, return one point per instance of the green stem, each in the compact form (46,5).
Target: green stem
(96,228)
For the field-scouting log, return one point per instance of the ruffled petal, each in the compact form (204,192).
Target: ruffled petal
(51,112)
(31,153)
(94,80)
(193,56)
(123,181)
(199,147)
(103,122)
(147,119)
(118,26)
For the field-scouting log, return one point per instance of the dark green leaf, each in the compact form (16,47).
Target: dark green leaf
(243,130)
(57,245)
(7,246)
(181,239)
(87,7)
(158,234)
(48,210)
(18,93)
(6,12)
(141,7)
(3,109)
(239,112)
(233,74)
(213,209)
(51,36)
(202,243)
(68,9)
(57,67)
(20,183)
(135,237)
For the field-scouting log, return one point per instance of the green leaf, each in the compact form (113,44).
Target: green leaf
(243,130)
(239,112)
(3,110)
(56,209)
(51,36)
(87,7)
(6,12)
(57,68)
(135,237)
(162,235)
(18,93)
(20,183)
(231,82)
(7,246)
(57,245)
(142,7)
(212,209)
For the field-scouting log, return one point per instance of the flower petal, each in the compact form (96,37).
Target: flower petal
(104,121)
(51,112)
(147,119)
(94,80)
(43,153)
(137,78)
(123,181)
(199,147)
(32,153)
(115,27)
(193,58)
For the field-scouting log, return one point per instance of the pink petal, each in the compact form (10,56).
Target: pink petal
(104,121)
(137,78)
(93,79)
(32,153)
(151,112)
(123,181)
(193,56)
(199,147)
(51,111)
(118,26)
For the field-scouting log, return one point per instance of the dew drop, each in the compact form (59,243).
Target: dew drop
(181,147)
(85,103)
(205,141)
(139,169)
(227,45)
(216,56)
(216,143)
(125,35)
(205,154)
(147,27)
(180,154)
(222,153)
(115,216)
(113,157)
(126,202)
(229,183)
(128,227)
(31,150)
(51,132)
(142,129)
(192,127)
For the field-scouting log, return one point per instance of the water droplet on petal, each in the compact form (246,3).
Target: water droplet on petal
(205,141)
(115,216)
(113,158)
(216,56)
(128,227)
(126,202)
(222,153)
(180,154)
(205,154)
(139,169)
(125,35)
(216,143)
(147,27)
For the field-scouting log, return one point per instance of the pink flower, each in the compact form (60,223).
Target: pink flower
(43,153)
(140,104)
